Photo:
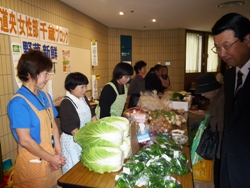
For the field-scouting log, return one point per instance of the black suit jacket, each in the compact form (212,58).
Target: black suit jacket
(235,152)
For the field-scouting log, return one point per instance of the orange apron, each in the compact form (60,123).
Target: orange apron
(28,174)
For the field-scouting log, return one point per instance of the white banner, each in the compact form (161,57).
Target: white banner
(94,87)
(24,26)
(94,53)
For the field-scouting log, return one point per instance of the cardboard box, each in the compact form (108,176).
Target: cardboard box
(185,105)
(180,105)
(135,147)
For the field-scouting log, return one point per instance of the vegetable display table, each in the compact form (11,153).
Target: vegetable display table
(81,176)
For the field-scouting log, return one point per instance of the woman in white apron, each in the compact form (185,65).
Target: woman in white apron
(75,111)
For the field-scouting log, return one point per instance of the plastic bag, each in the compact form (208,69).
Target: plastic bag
(208,143)
(150,101)
(195,158)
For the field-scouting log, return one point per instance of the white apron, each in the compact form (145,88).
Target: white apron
(70,149)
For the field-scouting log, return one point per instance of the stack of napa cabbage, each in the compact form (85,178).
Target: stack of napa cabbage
(105,144)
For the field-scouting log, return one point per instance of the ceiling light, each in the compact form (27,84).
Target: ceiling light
(121,13)
(154,20)
(229,4)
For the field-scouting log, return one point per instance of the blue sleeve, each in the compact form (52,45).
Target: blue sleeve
(19,113)
(23,117)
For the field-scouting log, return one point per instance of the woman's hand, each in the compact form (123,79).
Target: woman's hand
(56,162)
(94,118)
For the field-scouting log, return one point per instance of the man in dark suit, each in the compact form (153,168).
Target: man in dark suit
(232,43)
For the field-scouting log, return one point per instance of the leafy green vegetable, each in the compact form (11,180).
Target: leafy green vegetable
(155,114)
(120,184)
(99,133)
(178,167)
(183,158)
(126,147)
(168,113)
(102,159)
(124,124)
(118,121)
(104,144)
(126,179)
(153,166)
(177,97)
(170,144)
(162,182)
(134,167)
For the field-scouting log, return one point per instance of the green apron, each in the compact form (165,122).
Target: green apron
(117,107)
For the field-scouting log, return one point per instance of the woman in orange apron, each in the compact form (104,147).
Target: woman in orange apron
(31,111)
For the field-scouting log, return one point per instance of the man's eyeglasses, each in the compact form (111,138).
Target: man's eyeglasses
(224,46)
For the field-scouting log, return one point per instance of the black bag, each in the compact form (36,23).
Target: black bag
(208,144)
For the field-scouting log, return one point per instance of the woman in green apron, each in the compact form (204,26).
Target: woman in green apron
(114,93)
(31,111)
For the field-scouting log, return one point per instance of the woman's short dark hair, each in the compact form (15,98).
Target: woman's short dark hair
(122,69)
(139,65)
(33,63)
(233,21)
(74,79)
(157,67)
(166,67)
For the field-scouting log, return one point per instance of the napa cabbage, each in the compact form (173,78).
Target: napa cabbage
(99,133)
(126,147)
(120,122)
(102,159)
(105,143)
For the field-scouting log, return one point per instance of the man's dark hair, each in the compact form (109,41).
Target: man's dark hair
(235,22)
(139,65)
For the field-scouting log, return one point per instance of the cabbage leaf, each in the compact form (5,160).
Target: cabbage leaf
(126,147)
(99,133)
(102,159)
(118,121)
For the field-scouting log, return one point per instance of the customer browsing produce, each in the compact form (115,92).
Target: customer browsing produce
(210,88)
(232,43)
